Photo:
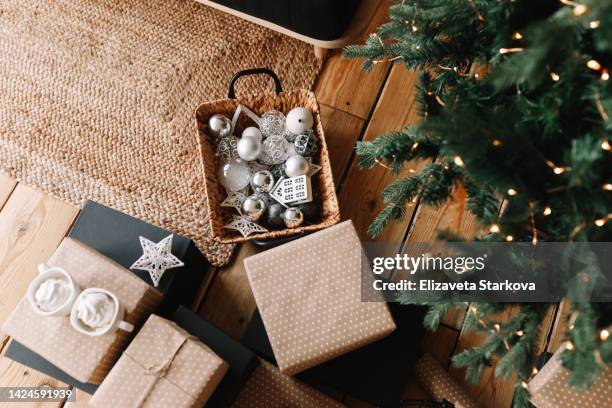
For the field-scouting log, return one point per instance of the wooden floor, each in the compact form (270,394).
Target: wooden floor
(355,106)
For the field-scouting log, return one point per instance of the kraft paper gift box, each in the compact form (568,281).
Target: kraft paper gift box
(308,292)
(164,366)
(269,388)
(550,387)
(86,358)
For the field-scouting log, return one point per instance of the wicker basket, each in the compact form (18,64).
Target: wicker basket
(323,183)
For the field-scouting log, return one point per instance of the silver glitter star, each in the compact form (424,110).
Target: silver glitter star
(245,226)
(156,258)
(234,199)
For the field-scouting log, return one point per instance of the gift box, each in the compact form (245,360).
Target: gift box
(375,373)
(163,366)
(269,388)
(116,235)
(439,384)
(86,358)
(308,292)
(550,387)
(240,359)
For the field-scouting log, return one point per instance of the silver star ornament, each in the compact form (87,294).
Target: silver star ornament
(156,258)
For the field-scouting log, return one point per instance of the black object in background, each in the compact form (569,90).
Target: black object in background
(241,360)
(324,20)
(115,235)
(377,373)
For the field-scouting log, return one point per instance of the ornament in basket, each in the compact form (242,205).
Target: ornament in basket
(266,165)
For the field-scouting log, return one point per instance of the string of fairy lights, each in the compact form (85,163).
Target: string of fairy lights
(578,10)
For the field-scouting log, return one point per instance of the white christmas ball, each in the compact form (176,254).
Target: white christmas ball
(252,132)
(249,148)
(296,166)
(234,175)
(299,120)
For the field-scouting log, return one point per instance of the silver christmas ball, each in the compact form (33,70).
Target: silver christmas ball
(252,132)
(262,181)
(248,148)
(234,175)
(253,207)
(227,148)
(293,217)
(219,125)
(272,123)
(274,216)
(274,150)
(306,144)
(296,166)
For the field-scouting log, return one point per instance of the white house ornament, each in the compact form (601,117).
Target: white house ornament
(234,175)
(249,148)
(296,165)
(299,120)
(262,181)
(294,190)
(156,258)
(227,148)
(253,207)
(245,226)
(252,131)
(272,123)
(219,125)
(293,217)
(274,150)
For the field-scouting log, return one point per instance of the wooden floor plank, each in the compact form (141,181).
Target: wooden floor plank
(7,185)
(13,374)
(344,85)
(360,197)
(32,224)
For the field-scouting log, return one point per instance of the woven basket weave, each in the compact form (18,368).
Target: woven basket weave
(323,183)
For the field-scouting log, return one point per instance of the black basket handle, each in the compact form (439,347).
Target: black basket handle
(231,93)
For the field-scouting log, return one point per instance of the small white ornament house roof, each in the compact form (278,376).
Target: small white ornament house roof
(293,190)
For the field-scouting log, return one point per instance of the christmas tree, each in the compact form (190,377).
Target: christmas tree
(515,101)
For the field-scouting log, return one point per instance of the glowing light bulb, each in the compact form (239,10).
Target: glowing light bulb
(496,142)
(594,24)
(558,170)
(605,75)
(547,211)
(606,145)
(604,334)
(555,77)
(607,186)
(600,222)
(458,161)
(494,229)
(512,192)
(509,238)
(594,65)
(517,36)
(569,345)
(520,333)
(580,9)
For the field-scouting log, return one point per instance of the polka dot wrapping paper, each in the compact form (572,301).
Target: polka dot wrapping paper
(308,292)
(269,388)
(164,366)
(86,358)
(550,388)
(439,384)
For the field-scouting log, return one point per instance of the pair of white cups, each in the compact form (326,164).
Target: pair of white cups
(70,306)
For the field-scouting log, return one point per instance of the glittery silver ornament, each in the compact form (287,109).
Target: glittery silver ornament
(306,144)
(253,207)
(299,120)
(262,181)
(278,171)
(227,148)
(234,175)
(289,136)
(274,150)
(273,217)
(272,123)
(296,166)
(293,217)
(249,148)
(219,125)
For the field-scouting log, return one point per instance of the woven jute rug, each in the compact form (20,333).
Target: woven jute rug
(97,100)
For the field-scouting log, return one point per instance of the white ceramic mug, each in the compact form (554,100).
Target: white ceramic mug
(115,323)
(45,273)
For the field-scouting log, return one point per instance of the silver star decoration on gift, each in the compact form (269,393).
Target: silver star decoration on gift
(245,226)
(234,199)
(156,258)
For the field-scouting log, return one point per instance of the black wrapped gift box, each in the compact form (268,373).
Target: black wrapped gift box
(377,373)
(116,235)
